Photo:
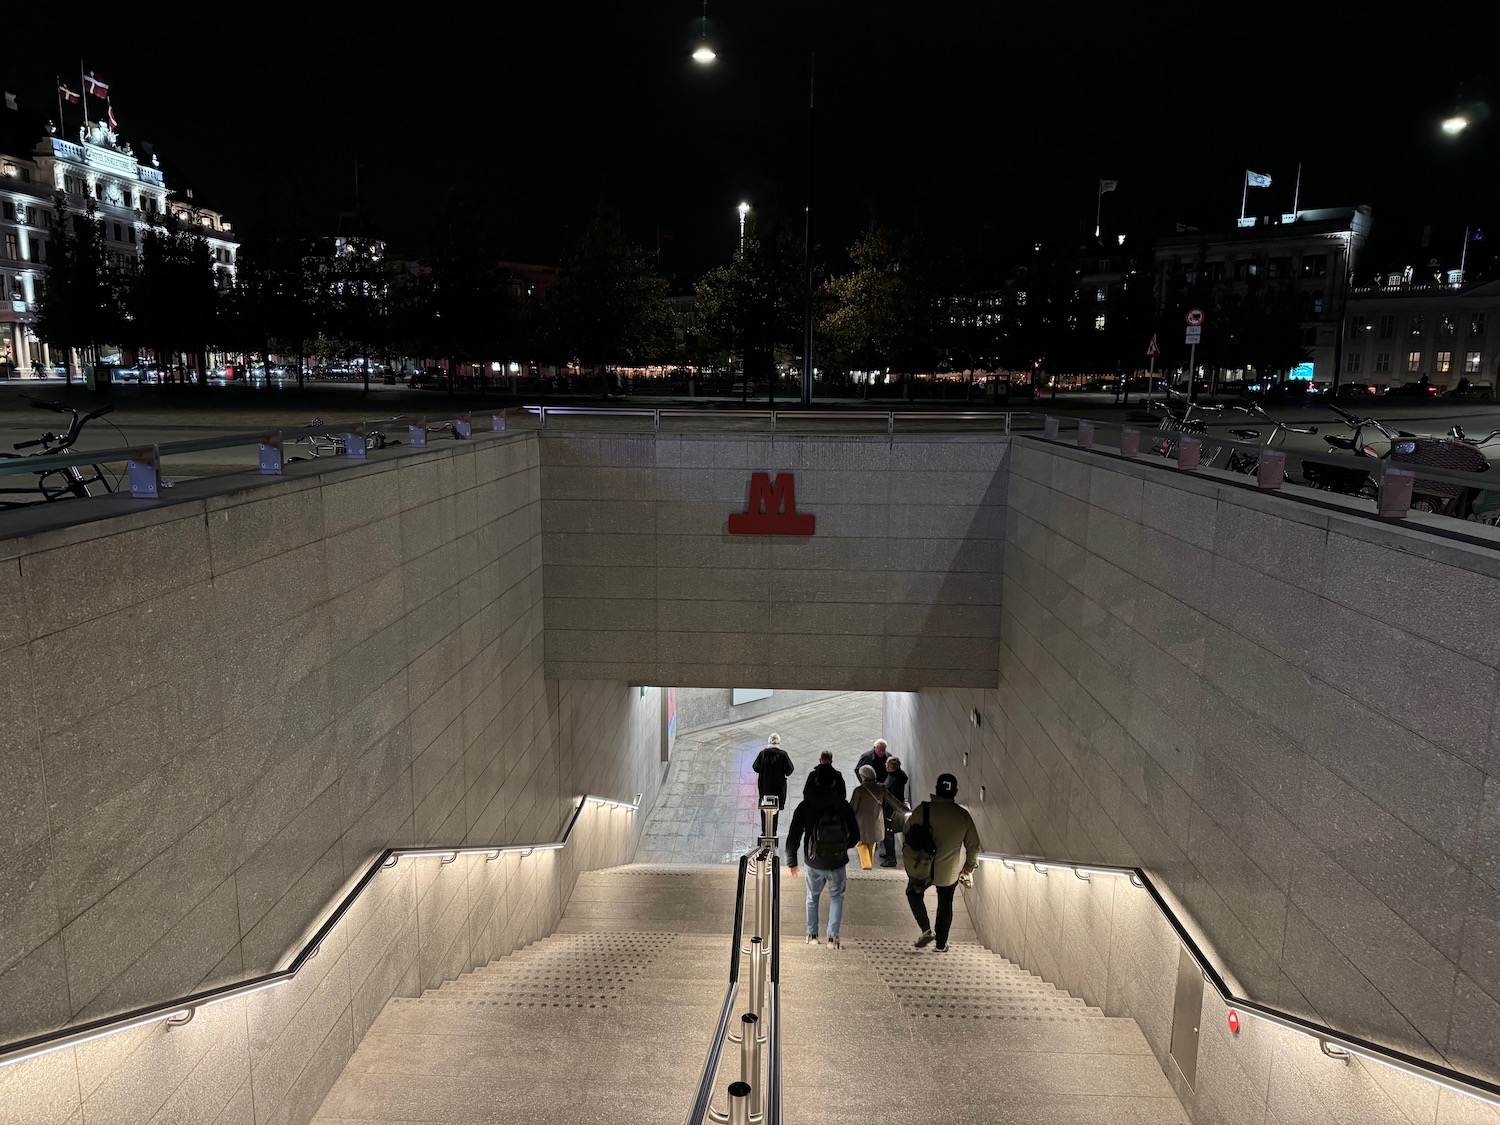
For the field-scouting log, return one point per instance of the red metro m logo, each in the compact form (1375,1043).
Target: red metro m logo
(773,508)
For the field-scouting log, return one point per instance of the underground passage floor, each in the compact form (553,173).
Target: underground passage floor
(610,1018)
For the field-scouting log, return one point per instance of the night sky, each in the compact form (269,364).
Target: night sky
(987,122)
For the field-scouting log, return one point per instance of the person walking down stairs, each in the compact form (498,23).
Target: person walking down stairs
(772,767)
(826,823)
(938,830)
(871,803)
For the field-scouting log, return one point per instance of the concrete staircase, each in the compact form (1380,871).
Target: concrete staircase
(608,1020)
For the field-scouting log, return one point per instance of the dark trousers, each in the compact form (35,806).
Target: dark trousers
(944,911)
(890,842)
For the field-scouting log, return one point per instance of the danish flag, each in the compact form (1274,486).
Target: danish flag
(96,85)
(67,95)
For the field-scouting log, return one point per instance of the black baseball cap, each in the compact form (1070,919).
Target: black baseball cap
(947,785)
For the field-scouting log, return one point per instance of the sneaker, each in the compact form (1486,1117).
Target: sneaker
(812,939)
(926,939)
(941,948)
(834,943)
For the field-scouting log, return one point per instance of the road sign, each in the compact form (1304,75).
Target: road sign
(1152,351)
(1194,317)
(1194,336)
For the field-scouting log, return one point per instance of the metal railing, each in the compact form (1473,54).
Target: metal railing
(755,1096)
(1393,481)
(144,462)
(1335,1044)
(180,1010)
(778,419)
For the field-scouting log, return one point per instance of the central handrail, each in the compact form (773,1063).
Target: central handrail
(181,1010)
(776,416)
(1457,1081)
(699,1112)
(773,1023)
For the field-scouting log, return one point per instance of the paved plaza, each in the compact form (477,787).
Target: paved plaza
(706,813)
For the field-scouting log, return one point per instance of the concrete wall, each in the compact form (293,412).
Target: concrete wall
(898,588)
(700,708)
(217,712)
(272,1056)
(1105,940)
(1286,713)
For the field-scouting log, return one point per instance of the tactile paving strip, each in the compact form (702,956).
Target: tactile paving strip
(967,983)
(565,971)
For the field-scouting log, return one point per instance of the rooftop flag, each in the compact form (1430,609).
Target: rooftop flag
(96,85)
(1257,179)
(68,95)
(1108,185)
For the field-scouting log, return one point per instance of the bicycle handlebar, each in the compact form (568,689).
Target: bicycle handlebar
(28,444)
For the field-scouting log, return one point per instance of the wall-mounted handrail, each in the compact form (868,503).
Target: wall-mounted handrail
(1457,1081)
(704,1094)
(181,1009)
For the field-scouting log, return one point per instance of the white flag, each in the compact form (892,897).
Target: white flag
(1108,185)
(1257,179)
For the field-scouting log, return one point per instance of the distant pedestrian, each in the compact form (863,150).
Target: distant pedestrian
(895,781)
(825,822)
(824,769)
(936,832)
(772,767)
(870,802)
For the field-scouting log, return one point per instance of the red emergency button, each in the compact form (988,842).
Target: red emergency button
(1234,1021)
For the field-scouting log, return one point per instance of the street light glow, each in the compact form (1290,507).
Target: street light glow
(744,209)
(1455,125)
(704,54)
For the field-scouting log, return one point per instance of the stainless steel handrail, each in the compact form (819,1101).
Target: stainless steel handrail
(773,1022)
(774,415)
(1457,1081)
(701,1099)
(181,1009)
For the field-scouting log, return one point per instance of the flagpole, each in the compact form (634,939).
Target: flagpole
(1463,257)
(61,128)
(1244,196)
(1098,209)
(83,88)
(1297,191)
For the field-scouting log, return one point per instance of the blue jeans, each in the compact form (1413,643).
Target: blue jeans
(836,879)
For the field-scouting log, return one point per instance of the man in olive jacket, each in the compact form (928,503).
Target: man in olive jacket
(952,830)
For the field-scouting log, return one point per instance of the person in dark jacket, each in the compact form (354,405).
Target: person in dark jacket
(874,756)
(953,832)
(895,781)
(825,822)
(772,767)
(824,769)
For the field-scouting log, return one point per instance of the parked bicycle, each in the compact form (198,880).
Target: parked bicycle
(1249,463)
(335,444)
(74,481)
(1405,448)
(1186,417)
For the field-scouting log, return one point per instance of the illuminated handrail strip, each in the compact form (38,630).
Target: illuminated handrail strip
(1440,1075)
(181,1010)
(774,415)
(773,1023)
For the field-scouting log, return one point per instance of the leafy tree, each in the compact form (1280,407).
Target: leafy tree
(352,281)
(174,301)
(277,297)
(753,306)
(79,306)
(611,304)
(466,310)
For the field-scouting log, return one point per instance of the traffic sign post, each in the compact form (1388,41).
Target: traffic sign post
(1194,334)
(1152,351)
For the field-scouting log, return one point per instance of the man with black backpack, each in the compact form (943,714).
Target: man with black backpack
(936,831)
(825,822)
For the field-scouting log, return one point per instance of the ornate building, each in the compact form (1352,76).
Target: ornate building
(37,166)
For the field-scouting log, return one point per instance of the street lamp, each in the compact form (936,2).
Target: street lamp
(1455,125)
(704,53)
(744,209)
